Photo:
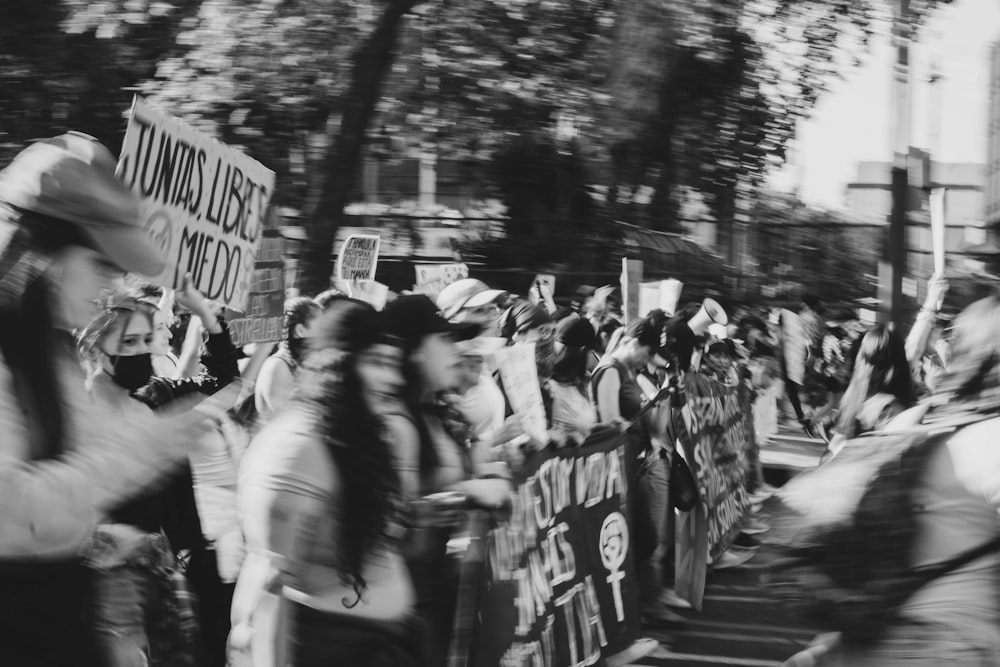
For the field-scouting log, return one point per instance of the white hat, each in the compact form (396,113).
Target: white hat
(466,293)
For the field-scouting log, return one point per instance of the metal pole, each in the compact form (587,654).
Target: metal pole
(893,263)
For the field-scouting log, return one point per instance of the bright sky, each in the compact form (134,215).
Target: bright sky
(851,123)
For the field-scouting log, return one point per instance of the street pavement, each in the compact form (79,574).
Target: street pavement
(740,624)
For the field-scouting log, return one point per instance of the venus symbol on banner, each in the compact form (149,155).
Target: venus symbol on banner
(614,547)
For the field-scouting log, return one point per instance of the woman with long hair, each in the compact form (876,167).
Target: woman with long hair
(620,398)
(881,386)
(324,582)
(276,380)
(432,443)
(68,228)
(117,349)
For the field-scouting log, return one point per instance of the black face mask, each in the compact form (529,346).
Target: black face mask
(132,372)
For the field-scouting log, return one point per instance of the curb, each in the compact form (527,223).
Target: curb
(822,651)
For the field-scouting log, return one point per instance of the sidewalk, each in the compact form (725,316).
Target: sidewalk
(740,624)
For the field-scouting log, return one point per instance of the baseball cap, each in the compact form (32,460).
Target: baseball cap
(72,178)
(466,293)
(412,316)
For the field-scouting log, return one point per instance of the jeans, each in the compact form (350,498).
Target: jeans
(654,497)
(122,596)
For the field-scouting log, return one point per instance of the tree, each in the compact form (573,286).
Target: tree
(72,65)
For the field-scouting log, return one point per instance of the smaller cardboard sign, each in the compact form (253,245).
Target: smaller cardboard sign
(263,321)
(543,287)
(520,384)
(432,278)
(358,258)
(630,280)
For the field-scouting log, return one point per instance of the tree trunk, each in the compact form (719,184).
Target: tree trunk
(325,213)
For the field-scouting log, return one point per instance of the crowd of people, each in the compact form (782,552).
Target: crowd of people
(305,494)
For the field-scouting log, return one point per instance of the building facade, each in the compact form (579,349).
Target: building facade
(869,200)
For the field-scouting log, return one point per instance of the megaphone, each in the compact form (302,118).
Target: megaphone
(709,313)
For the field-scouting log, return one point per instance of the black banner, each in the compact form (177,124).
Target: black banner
(559,583)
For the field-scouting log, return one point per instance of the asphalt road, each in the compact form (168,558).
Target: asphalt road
(740,624)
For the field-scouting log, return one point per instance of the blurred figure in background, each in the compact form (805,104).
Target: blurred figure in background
(69,226)
(568,390)
(276,380)
(620,398)
(881,386)
(325,582)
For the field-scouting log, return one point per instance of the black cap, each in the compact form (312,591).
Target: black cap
(414,316)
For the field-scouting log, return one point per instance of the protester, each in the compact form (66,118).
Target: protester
(431,439)
(325,582)
(568,391)
(477,394)
(483,405)
(620,398)
(165,362)
(70,227)
(881,386)
(196,511)
(471,300)
(954,619)
(276,380)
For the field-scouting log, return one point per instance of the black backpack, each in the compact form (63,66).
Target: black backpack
(855,575)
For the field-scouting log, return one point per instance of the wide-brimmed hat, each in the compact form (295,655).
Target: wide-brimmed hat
(72,178)
(413,316)
(466,293)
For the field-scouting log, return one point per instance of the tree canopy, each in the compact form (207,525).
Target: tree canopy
(646,100)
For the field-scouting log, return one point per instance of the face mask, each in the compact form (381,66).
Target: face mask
(545,357)
(132,372)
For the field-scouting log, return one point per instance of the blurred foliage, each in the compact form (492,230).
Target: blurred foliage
(801,248)
(547,96)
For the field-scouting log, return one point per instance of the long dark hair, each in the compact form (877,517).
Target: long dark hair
(330,390)
(31,345)
(880,367)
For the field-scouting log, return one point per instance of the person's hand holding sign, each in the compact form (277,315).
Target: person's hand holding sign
(189,297)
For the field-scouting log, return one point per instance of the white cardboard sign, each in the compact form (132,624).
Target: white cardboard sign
(202,201)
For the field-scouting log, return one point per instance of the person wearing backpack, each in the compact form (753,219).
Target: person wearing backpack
(910,576)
